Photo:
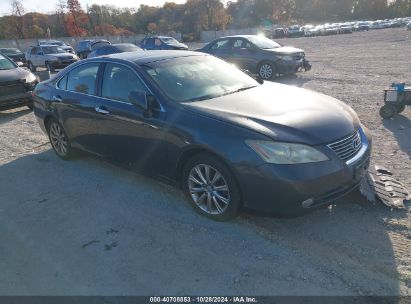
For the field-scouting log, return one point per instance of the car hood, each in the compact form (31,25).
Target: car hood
(13,74)
(283,113)
(285,50)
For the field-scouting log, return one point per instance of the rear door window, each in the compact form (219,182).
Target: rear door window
(83,79)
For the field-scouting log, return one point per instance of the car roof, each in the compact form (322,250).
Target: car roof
(143,57)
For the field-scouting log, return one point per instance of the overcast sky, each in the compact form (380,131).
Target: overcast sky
(45,6)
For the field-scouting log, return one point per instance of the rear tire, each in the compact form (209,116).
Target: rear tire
(59,140)
(211,187)
(388,111)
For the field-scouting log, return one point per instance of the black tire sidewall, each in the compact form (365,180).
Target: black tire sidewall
(384,111)
(400,108)
(69,153)
(235,195)
(32,67)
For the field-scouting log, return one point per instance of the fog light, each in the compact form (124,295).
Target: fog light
(307,203)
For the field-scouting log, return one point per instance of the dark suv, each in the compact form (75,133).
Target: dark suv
(14,54)
(84,47)
(162,43)
(258,55)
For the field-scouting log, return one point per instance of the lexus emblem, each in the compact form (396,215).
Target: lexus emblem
(356,144)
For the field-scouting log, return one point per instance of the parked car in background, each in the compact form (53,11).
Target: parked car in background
(113,49)
(346,29)
(14,54)
(162,43)
(16,85)
(331,30)
(85,47)
(279,32)
(258,55)
(362,26)
(294,31)
(284,150)
(49,56)
(59,43)
(409,26)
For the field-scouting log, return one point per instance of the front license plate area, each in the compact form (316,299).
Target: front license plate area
(360,170)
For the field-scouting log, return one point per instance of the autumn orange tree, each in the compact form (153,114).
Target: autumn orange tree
(76,19)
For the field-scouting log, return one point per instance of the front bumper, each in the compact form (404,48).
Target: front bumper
(60,64)
(16,95)
(15,101)
(286,67)
(294,189)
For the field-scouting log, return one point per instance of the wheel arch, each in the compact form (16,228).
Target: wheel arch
(191,152)
(272,62)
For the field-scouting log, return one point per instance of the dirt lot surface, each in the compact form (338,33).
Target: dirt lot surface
(86,227)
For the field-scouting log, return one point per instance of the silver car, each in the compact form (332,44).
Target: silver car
(49,56)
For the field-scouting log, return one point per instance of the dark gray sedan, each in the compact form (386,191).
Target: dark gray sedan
(258,55)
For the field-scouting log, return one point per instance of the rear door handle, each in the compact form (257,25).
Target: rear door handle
(57,98)
(101,110)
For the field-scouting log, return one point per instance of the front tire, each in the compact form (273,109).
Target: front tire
(49,67)
(211,187)
(32,67)
(267,70)
(59,140)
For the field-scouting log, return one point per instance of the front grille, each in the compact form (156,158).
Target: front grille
(298,56)
(347,147)
(11,88)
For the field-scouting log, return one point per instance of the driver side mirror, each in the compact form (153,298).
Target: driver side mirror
(143,101)
(19,63)
(139,98)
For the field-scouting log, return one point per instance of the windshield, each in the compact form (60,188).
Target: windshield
(6,64)
(10,51)
(52,50)
(197,78)
(264,43)
(169,40)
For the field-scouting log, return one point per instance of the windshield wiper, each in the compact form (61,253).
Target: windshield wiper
(239,90)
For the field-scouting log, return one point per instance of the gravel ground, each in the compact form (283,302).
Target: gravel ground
(86,227)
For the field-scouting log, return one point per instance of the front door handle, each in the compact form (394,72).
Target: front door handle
(101,110)
(57,98)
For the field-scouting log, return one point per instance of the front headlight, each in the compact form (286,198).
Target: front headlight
(286,153)
(285,57)
(30,78)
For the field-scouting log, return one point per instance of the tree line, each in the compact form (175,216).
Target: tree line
(69,18)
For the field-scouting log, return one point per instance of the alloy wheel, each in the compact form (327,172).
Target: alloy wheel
(58,139)
(208,189)
(266,71)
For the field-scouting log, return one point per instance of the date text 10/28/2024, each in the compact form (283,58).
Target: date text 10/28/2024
(238,299)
